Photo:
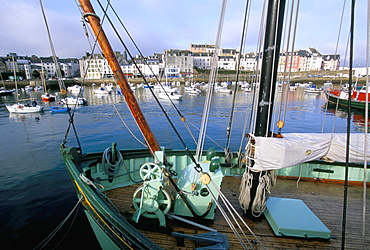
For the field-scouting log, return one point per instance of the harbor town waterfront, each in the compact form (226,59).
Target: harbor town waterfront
(174,63)
(36,193)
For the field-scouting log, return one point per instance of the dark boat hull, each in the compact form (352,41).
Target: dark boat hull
(344,102)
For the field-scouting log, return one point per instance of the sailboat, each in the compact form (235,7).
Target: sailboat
(21,107)
(158,198)
(46,97)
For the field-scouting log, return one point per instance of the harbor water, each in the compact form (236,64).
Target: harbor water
(36,193)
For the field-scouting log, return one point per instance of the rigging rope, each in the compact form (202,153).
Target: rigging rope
(59,76)
(286,86)
(242,42)
(345,188)
(212,78)
(55,231)
(363,232)
(151,90)
(234,214)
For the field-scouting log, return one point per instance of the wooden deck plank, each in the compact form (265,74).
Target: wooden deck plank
(324,199)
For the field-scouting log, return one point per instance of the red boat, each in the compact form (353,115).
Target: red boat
(48,97)
(358,97)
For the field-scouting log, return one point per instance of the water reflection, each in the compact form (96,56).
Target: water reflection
(357,116)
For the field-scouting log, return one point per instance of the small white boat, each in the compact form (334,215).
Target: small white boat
(293,87)
(100,91)
(38,88)
(74,101)
(221,89)
(28,88)
(172,94)
(313,89)
(24,108)
(192,90)
(75,89)
(132,86)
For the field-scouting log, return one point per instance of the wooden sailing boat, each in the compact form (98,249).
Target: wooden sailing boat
(21,107)
(155,198)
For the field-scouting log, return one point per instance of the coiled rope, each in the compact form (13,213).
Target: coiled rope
(112,169)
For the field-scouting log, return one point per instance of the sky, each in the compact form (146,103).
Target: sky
(158,25)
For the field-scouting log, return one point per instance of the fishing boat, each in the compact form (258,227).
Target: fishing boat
(163,198)
(341,97)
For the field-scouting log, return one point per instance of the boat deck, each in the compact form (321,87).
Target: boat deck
(324,199)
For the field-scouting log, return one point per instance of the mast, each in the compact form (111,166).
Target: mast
(270,60)
(131,101)
(15,81)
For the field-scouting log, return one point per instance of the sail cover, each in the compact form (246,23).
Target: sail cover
(294,148)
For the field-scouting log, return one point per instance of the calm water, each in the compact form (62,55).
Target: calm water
(36,193)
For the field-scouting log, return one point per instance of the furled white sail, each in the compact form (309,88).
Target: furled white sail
(271,153)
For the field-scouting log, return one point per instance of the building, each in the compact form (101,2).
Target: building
(177,63)
(170,63)
(202,60)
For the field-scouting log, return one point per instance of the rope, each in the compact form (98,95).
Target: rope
(234,214)
(243,37)
(291,58)
(227,219)
(363,231)
(111,169)
(59,75)
(245,190)
(151,90)
(212,78)
(263,189)
(55,231)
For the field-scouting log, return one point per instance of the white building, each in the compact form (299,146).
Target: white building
(202,60)
(179,63)
(226,62)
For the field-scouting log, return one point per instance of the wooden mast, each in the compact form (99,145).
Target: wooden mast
(102,39)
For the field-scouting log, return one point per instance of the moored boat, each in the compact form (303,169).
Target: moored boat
(46,97)
(4,91)
(73,100)
(75,89)
(341,97)
(60,109)
(24,108)
(169,93)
